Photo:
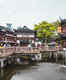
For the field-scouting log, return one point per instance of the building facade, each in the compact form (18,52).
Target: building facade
(63,32)
(7,36)
(10,37)
(25,36)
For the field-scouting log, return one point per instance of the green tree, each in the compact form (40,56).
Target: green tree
(44,30)
(56,24)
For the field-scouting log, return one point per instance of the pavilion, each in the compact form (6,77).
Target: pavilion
(25,36)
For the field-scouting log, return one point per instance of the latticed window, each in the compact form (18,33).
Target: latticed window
(64,30)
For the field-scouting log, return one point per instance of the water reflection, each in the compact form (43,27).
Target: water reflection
(7,73)
(2,72)
(43,71)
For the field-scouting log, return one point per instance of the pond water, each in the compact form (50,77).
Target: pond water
(40,71)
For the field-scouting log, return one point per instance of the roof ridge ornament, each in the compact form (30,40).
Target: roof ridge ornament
(25,27)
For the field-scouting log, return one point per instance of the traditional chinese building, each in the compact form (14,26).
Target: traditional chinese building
(63,31)
(25,36)
(10,37)
(7,36)
(2,34)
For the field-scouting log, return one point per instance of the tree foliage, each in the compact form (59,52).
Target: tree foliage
(56,24)
(45,29)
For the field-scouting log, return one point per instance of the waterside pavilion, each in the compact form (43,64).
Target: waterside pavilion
(25,36)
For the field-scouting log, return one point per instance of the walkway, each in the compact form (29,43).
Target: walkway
(5,52)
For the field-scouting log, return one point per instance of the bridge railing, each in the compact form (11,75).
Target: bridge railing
(10,50)
(51,49)
(6,51)
(26,50)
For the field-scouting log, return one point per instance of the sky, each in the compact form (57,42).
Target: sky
(30,12)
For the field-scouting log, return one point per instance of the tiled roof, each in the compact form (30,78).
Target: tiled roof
(2,27)
(6,30)
(63,21)
(24,30)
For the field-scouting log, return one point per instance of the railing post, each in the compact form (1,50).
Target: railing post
(2,63)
